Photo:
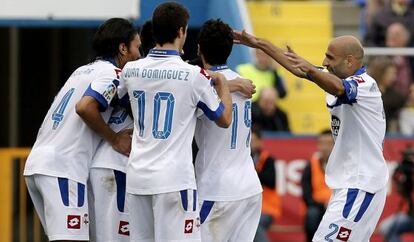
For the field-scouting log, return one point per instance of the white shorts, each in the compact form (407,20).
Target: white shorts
(107,207)
(351,215)
(230,221)
(61,205)
(164,217)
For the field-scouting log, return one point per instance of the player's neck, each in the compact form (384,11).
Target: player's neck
(168,46)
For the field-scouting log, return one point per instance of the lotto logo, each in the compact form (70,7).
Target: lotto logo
(123,228)
(74,221)
(188,226)
(343,234)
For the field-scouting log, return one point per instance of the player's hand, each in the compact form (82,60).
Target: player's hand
(247,88)
(122,141)
(298,62)
(245,39)
(216,76)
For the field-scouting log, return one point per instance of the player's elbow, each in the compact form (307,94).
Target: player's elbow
(338,90)
(225,120)
(81,108)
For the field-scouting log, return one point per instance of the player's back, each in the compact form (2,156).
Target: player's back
(164,92)
(65,144)
(224,167)
(358,126)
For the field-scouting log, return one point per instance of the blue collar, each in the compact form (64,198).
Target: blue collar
(219,67)
(163,53)
(112,60)
(361,71)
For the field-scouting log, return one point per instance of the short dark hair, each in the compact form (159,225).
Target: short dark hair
(216,41)
(167,20)
(147,37)
(110,34)
(257,130)
(325,132)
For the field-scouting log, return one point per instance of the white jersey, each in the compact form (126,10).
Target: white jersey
(224,168)
(106,156)
(65,144)
(358,127)
(165,92)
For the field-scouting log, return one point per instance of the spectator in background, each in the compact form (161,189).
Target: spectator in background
(368,10)
(406,119)
(263,74)
(396,225)
(384,71)
(315,192)
(395,11)
(265,167)
(266,113)
(398,36)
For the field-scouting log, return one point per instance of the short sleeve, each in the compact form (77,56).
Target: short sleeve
(206,96)
(351,91)
(123,91)
(103,89)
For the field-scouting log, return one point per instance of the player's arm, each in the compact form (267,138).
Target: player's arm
(327,81)
(272,50)
(220,84)
(88,108)
(244,86)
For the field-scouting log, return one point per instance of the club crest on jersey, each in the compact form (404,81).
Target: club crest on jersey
(74,222)
(109,92)
(343,234)
(123,228)
(188,226)
(335,125)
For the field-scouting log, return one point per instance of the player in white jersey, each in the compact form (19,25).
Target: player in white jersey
(56,170)
(228,186)
(165,92)
(109,220)
(356,170)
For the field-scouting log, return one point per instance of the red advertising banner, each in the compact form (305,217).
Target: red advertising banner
(292,154)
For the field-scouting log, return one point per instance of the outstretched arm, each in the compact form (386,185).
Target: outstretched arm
(273,51)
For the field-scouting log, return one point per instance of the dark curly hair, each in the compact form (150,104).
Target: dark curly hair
(110,34)
(147,37)
(216,41)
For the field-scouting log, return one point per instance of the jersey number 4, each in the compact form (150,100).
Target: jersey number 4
(247,122)
(159,98)
(58,115)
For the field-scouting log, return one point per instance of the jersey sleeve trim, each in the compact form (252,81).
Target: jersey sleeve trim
(350,93)
(212,115)
(103,105)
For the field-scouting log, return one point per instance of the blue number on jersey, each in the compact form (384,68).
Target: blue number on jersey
(140,95)
(247,123)
(57,115)
(158,98)
(335,229)
(234,127)
(118,119)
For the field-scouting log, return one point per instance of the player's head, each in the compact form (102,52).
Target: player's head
(215,42)
(325,144)
(118,39)
(169,24)
(344,56)
(147,37)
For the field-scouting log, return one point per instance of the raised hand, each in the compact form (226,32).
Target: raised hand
(298,62)
(246,87)
(245,39)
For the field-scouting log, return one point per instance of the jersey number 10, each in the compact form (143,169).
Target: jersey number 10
(247,122)
(158,98)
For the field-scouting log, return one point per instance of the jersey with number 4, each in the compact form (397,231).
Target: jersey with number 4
(358,127)
(165,92)
(224,167)
(65,144)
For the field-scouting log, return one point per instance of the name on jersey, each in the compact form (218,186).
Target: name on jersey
(82,72)
(150,73)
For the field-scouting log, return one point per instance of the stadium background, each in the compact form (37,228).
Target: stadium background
(43,41)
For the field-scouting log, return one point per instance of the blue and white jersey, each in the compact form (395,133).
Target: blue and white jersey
(106,156)
(224,168)
(65,144)
(358,127)
(164,93)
